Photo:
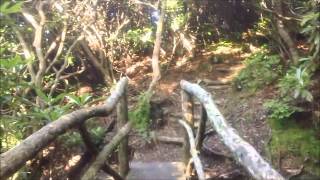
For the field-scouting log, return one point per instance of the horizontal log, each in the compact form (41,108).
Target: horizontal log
(169,140)
(16,157)
(193,151)
(209,82)
(242,151)
(106,151)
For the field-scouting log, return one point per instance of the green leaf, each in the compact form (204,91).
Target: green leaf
(307,29)
(73,99)
(70,60)
(42,95)
(60,97)
(6,9)
(10,63)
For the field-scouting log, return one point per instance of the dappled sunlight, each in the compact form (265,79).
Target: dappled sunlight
(79,77)
(221,50)
(72,162)
(233,73)
(169,87)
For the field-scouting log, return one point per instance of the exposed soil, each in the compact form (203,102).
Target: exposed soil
(244,113)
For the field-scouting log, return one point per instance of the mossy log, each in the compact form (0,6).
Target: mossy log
(242,151)
(16,157)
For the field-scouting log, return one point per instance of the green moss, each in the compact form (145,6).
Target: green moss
(141,114)
(298,142)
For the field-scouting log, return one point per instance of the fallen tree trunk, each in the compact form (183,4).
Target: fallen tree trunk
(242,151)
(193,151)
(16,157)
(103,155)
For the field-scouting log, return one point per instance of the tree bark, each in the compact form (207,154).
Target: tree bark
(93,150)
(15,158)
(242,151)
(103,155)
(122,119)
(156,76)
(96,64)
(193,151)
(285,36)
(201,129)
(187,111)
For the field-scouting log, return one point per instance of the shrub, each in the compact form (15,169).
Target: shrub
(295,84)
(141,115)
(280,112)
(261,69)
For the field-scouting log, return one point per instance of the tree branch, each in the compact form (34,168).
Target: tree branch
(16,157)
(65,63)
(193,150)
(60,48)
(242,151)
(27,54)
(154,7)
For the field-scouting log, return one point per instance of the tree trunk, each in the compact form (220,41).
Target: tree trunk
(285,36)
(156,50)
(122,119)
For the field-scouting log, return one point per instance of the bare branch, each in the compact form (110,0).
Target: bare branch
(65,63)
(60,48)
(145,3)
(277,14)
(27,53)
(37,40)
(95,62)
(30,19)
(193,150)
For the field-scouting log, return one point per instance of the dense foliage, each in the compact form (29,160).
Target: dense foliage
(51,49)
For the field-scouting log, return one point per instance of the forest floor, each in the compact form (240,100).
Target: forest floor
(244,112)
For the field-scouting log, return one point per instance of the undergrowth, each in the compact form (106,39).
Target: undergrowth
(141,114)
(280,111)
(262,68)
(298,142)
(288,137)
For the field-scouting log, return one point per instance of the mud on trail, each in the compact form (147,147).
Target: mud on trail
(214,71)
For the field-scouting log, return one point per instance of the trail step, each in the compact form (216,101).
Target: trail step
(156,171)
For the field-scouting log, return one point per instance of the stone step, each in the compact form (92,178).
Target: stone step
(156,171)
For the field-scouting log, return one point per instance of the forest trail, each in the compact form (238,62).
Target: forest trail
(159,170)
(216,77)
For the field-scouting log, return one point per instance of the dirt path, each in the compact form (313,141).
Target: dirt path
(246,116)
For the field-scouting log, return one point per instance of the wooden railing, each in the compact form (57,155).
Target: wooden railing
(242,151)
(12,160)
